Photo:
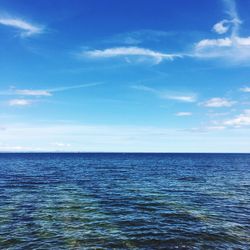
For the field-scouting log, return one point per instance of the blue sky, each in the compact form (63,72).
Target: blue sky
(134,76)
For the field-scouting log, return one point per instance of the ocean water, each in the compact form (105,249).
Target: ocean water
(124,201)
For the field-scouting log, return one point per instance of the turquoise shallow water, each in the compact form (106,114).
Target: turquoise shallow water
(124,201)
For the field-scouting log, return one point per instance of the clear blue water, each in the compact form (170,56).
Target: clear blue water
(125,201)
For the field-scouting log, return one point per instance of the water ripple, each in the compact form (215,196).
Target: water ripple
(124,201)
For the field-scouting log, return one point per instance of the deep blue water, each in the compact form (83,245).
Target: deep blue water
(124,201)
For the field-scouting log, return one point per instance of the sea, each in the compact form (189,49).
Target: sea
(124,201)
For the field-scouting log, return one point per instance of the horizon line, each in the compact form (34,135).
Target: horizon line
(111,152)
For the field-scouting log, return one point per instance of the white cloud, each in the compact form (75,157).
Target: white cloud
(30,92)
(245,89)
(26,28)
(166,94)
(240,120)
(222,42)
(130,51)
(218,102)
(181,98)
(221,27)
(183,114)
(19,102)
(38,93)
(243,41)
(233,48)
(45,92)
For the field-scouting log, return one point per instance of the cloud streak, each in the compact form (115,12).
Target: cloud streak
(167,95)
(138,52)
(19,102)
(79,86)
(46,92)
(218,102)
(183,114)
(245,89)
(30,92)
(38,93)
(26,29)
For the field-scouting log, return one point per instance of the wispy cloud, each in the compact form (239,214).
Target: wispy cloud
(138,37)
(183,114)
(163,94)
(240,120)
(145,88)
(79,86)
(222,42)
(245,89)
(218,102)
(30,137)
(138,52)
(26,28)
(233,46)
(30,92)
(222,26)
(181,98)
(46,92)
(19,102)
(215,128)
(38,93)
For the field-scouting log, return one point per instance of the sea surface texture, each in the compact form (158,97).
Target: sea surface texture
(124,201)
